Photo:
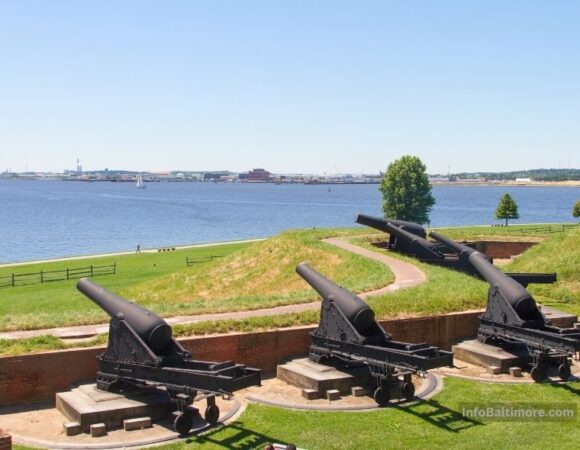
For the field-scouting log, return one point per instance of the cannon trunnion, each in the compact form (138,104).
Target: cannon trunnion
(343,336)
(142,354)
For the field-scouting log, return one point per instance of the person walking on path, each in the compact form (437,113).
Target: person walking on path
(138,247)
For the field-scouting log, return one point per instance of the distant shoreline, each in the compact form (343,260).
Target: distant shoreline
(569,183)
(504,183)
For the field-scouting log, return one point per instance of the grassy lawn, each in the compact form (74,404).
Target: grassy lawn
(249,276)
(59,303)
(434,424)
(445,290)
(261,276)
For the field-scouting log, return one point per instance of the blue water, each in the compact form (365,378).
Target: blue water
(48,219)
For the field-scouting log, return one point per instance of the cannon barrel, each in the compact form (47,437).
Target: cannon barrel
(379,224)
(512,291)
(455,246)
(410,237)
(151,328)
(354,308)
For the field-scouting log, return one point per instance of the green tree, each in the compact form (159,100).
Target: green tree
(406,190)
(576,209)
(507,208)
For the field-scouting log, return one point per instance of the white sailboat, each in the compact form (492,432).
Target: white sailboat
(140,184)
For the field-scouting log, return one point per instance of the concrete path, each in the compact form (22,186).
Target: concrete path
(406,275)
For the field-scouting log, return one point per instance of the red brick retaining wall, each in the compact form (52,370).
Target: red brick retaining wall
(503,250)
(38,377)
(5,441)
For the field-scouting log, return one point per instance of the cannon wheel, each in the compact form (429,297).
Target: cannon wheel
(212,414)
(538,373)
(408,390)
(564,371)
(381,396)
(183,423)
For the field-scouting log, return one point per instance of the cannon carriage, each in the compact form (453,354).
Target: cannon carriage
(348,332)
(142,354)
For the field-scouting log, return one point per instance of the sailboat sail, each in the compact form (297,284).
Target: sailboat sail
(140,184)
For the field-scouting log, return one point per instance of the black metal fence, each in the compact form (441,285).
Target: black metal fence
(46,276)
(191,261)
(545,228)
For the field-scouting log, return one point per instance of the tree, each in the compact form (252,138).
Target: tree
(576,209)
(406,190)
(507,208)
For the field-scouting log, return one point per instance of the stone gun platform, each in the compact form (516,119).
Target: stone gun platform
(87,405)
(321,378)
(487,356)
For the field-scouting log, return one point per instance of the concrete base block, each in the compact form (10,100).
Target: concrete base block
(515,371)
(484,355)
(559,318)
(310,394)
(306,374)
(333,394)
(358,391)
(494,370)
(87,405)
(72,428)
(137,424)
(98,430)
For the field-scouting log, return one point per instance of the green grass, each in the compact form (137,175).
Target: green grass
(434,424)
(59,303)
(261,276)
(445,291)
(247,277)
(557,252)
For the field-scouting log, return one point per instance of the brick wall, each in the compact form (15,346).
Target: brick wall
(5,441)
(34,378)
(503,250)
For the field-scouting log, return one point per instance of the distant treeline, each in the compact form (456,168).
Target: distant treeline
(534,174)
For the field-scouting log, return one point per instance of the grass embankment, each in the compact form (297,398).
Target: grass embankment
(261,276)
(247,277)
(445,291)
(434,424)
(557,252)
(59,303)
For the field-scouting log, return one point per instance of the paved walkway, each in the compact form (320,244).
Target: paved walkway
(406,275)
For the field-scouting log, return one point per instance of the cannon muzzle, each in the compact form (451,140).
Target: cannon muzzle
(513,292)
(379,224)
(151,328)
(354,308)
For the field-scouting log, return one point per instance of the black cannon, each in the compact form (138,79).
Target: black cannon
(512,318)
(461,261)
(410,238)
(143,355)
(348,332)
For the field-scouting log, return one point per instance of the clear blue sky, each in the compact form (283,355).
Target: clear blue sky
(292,86)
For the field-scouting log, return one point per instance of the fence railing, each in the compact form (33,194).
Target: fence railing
(46,276)
(545,228)
(191,261)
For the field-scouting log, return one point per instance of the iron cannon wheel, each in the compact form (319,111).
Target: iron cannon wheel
(564,371)
(381,396)
(212,414)
(538,373)
(183,423)
(408,390)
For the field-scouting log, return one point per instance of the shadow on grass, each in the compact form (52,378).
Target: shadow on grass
(440,416)
(236,437)
(566,386)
